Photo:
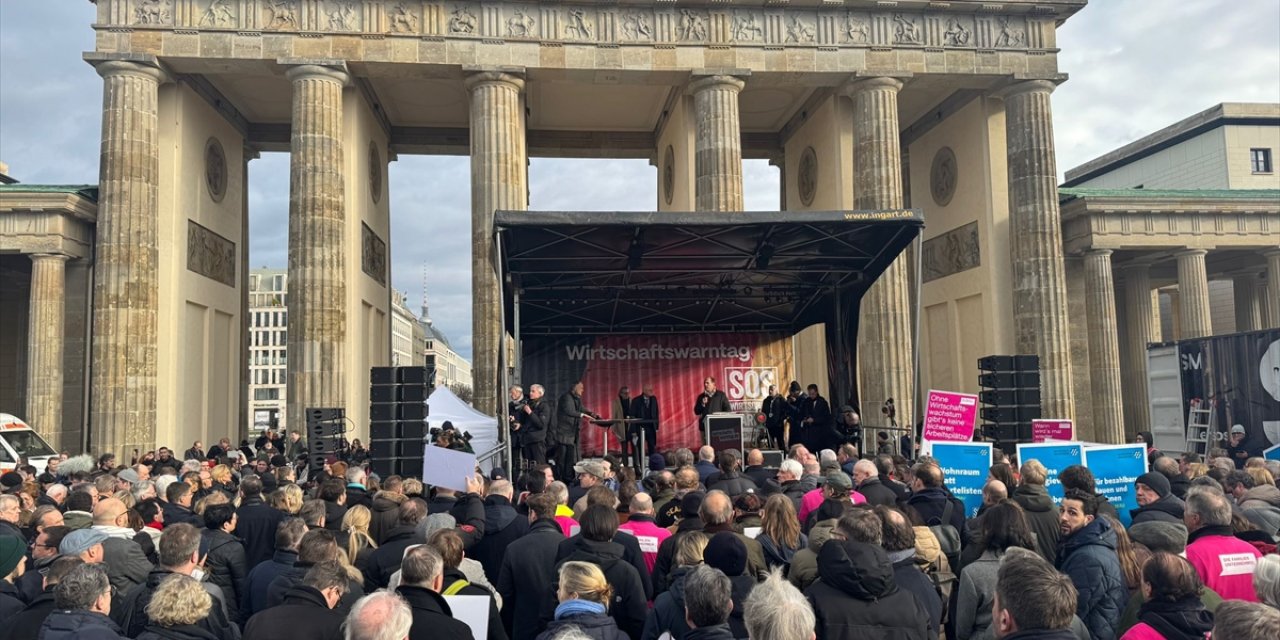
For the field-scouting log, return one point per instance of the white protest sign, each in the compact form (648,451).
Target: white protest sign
(447,468)
(472,611)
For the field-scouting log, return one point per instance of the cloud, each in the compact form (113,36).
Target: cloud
(1136,66)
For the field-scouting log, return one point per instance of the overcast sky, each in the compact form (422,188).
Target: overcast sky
(1135,66)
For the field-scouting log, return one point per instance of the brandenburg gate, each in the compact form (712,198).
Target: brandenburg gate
(944,106)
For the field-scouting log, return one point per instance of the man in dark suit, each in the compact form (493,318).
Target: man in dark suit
(645,407)
(569,413)
(711,400)
(819,423)
(535,418)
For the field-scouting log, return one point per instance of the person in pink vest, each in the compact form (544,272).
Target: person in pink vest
(1225,563)
(642,526)
(813,499)
(564,515)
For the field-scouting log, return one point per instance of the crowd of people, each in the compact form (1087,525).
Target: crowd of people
(696,546)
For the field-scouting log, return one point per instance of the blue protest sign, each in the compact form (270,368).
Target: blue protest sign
(1115,467)
(965,466)
(1055,456)
(1273,453)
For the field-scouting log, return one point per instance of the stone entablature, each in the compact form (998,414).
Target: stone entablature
(1113,220)
(923,37)
(54,222)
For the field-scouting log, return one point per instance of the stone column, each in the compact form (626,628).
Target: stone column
(499,181)
(245,421)
(45,342)
(718,143)
(1035,231)
(126,279)
(317,323)
(1245,288)
(1139,312)
(885,336)
(1193,294)
(1104,348)
(1262,300)
(1273,288)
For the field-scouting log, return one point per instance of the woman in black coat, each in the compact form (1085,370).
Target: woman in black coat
(584,597)
(176,610)
(224,556)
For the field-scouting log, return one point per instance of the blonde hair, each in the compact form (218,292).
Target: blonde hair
(778,520)
(1197,469)
(179,600)
(689,548)
(217,497)
(586,581)
(221,473)
(292,498)
(412,487)
(1033,472)
(356,524)
(1260,476)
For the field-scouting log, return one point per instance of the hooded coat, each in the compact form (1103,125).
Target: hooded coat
(503,525)
(304,615)
(1167,509)
(1088,557)
(629,602)
(432,618)
(594,625)
(856,597)
(1042,516)
(804,564)
(531,560)
(225,563)
(1261,505)
(383,514)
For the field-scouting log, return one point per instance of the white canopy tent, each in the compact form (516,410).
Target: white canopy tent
(443,405)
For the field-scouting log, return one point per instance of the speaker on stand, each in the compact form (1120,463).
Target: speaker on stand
(1010,398)
(397,419)
(325,427)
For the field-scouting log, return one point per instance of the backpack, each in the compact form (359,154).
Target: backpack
(948,537)
(455,587)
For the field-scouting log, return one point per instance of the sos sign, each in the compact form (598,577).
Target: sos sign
(749,383)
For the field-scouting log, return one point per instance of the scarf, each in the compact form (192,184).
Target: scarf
(571,608)
(898,556)
(1211,530)
(1185,619)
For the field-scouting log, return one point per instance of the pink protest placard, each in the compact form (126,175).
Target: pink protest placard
(1045,430)
(950,416)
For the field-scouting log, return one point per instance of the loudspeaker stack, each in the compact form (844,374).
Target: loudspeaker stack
(397,419)
(1010,398)
(325,427)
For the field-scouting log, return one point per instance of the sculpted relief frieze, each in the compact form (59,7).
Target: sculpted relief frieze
(658,24)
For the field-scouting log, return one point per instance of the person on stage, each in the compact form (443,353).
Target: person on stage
(569,414)
(711,400)
(645,408)
(619,412)
(795,414)
(819,423)
(774,410)
(535,418)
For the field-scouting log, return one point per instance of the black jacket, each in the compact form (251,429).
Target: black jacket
(594,625)
(629,602)
(531,560)
(734,484)
(467,510)
(931,503)
(1088,557)
(759,475)
(667,614)
(432,619)
(1166,509)
(631,553)
(452,576)
(386,559)
(876,493)
(182,632)
(569,414)
(176,513)
(25,625)
(715,403)
(130,612)
(304,615)
(910,578)
(127,565)
(502,526)
(383,515)
(358,495)
(718,632)
(11,601)
(333,515)
(646,410)
(79,625)
(535,424)
(256,527)
(260,578)
(1042,515)
(857,597)
(292,577)
(225,564)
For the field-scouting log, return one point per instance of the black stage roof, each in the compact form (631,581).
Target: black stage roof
(593,273)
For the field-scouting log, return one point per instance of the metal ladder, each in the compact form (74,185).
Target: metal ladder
(1199,428)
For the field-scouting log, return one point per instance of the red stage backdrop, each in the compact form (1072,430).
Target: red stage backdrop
(743,364)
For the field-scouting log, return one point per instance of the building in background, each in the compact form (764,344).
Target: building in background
(451,369)
(407,333)
(268,337)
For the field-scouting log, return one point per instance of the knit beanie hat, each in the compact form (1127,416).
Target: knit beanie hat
(12,549)
(727,553)
(1156,481)
(1157,535)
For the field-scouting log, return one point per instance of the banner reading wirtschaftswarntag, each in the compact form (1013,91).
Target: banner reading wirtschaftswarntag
(1115,468)
(1055,456)
(965,465)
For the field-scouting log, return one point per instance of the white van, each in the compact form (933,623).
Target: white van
(18,441)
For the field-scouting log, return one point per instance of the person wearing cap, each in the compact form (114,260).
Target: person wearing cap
(1156,501)
(13,561)
(85,544)
(1238,450)
(590,473)
(831,500)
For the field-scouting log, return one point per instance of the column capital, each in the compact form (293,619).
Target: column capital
(1275,251)
(147,70)
(251,152)
(1097,253)
(480,76)
(49,256)
(1190,251)
(309,69)
(858,84)
(723,81)
(1018,86)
